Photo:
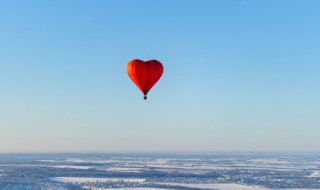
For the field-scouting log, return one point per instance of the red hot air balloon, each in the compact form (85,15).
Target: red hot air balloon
(145,74)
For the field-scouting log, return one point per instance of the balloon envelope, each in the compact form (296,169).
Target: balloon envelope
(145,74)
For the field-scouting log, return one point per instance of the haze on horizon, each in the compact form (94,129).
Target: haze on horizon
(239,76)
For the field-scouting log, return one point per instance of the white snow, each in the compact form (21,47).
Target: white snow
(269,161)
(228,186)
(124,169)
(47,161)
(92,180)
(138,188)
(73,167)
(315,174)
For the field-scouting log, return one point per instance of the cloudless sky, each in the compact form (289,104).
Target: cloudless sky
(240,75)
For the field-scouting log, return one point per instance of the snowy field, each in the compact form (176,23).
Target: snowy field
(124,169)
(73,167)
(92,180)
(129,189)
(218,186)
(226,186)
(315,174)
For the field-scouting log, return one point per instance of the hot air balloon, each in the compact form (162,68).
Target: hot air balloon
(145,74)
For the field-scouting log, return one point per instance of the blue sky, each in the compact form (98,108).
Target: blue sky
(239,75)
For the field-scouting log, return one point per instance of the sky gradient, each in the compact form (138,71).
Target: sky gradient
(239,75)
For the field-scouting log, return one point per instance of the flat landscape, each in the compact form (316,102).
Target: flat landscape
(220,171)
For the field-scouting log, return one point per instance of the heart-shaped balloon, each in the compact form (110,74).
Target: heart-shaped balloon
(145,74)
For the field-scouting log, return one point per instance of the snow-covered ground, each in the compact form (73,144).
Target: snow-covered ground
(92,180)
(219,186)
(50,161)
(76,160)
(272,161)
(315,174)
(124,169)
(140,188)
(73,167)
(226,186)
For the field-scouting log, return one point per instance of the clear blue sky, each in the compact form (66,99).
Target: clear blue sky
(239,75)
